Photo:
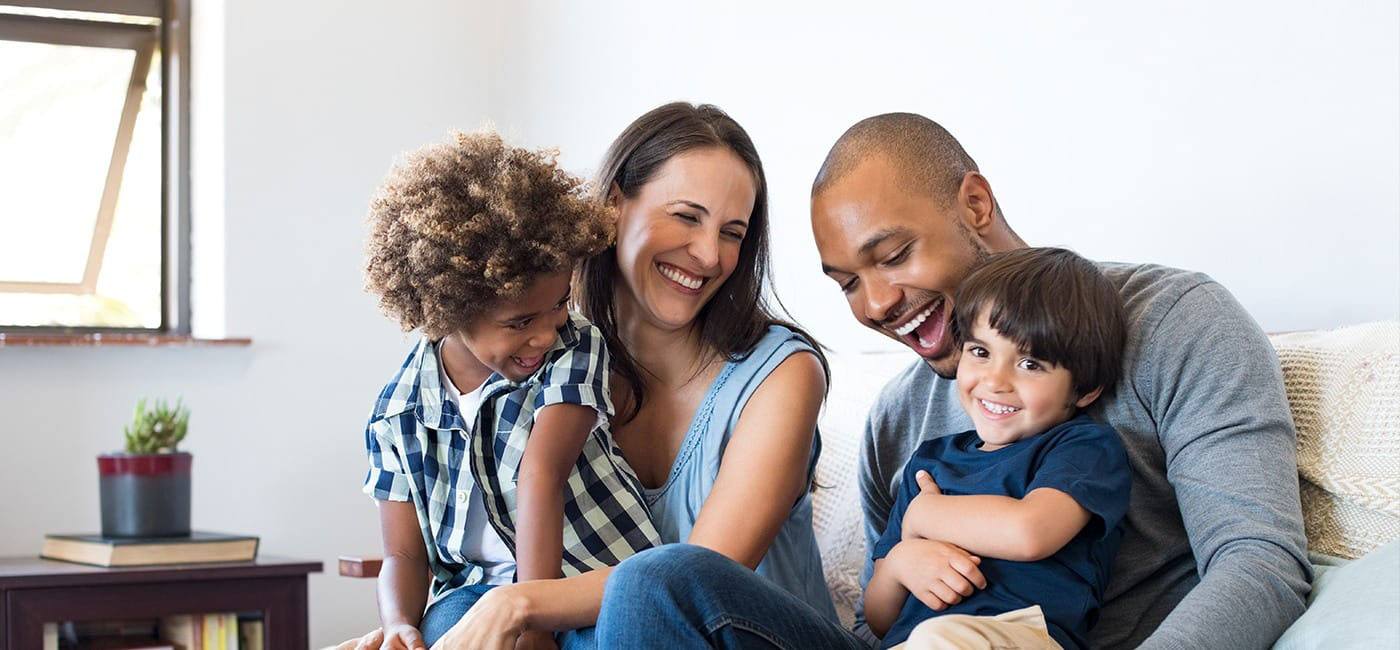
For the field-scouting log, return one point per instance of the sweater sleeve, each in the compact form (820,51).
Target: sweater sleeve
(1214,387)
(876,474)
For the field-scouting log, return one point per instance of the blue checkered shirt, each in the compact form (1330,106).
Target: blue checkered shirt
(421,450)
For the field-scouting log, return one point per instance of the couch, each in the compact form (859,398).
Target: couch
(1343,389)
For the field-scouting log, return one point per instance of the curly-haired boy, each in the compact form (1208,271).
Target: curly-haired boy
(491,443)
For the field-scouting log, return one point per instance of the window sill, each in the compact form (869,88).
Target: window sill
(95,340)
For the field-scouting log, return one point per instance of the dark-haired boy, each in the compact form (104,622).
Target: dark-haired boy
(1037,490)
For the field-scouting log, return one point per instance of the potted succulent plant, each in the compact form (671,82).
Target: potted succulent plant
(145,490)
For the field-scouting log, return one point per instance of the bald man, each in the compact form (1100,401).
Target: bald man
(1213,553)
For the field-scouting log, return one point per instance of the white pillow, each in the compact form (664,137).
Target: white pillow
(1344,392)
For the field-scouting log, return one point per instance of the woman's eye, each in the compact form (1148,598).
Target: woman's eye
(687,217)
(736,236)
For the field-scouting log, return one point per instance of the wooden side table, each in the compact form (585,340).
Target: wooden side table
(35,591)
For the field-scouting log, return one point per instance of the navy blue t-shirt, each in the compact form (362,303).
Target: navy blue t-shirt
(1082,458)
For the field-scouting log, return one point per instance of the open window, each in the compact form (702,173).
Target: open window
(94,166)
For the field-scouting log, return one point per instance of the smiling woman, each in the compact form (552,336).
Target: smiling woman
(717,398)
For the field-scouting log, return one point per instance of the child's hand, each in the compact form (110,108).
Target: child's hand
(402,637)
(939,574)
(536,640)
(927,488)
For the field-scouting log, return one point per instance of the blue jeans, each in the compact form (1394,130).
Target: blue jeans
(445,613)
(684,596)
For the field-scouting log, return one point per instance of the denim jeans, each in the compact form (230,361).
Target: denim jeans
(445,613)
(683,596)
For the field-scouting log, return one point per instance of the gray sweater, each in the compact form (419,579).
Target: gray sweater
(1213,552)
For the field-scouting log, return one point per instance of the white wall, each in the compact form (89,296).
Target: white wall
(318,99)
(1259,144)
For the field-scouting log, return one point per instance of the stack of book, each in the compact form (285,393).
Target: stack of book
(222,631)
(138,551)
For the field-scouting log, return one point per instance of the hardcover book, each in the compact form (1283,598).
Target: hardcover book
(144,551)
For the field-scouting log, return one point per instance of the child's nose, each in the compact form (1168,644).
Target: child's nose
(996,379)
(543,339)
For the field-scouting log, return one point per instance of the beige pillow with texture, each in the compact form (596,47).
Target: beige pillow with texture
(1344,392)
(856,380)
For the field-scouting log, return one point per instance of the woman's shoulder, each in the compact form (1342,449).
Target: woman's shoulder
(780,340)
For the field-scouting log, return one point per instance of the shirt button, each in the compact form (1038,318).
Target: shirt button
(461,496)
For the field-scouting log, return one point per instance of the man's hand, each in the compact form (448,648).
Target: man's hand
(939,574)
(927,489)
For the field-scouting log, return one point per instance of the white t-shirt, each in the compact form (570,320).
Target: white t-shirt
(481,545)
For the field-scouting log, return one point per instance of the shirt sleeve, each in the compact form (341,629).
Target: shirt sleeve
(579,375)
(387,479)
(1216,391)
(1091,466)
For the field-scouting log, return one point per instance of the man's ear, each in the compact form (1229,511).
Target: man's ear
(1089,397)
(977,205)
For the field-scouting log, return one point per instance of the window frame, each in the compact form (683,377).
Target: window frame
(173,42)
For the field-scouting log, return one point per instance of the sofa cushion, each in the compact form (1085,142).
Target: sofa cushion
(1351,605)
(1344,391)
(856,380)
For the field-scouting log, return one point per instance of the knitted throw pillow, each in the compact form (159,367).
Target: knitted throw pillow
(1344,391)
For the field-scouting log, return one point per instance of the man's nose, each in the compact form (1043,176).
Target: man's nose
(880,299)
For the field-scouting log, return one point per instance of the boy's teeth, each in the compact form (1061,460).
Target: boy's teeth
(1000,409)
(681,278)
(915,322)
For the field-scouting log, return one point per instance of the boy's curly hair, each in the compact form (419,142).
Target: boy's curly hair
(459,226)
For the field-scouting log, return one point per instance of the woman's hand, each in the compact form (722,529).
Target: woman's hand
(495,622)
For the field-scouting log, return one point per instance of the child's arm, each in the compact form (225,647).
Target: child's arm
(556,440)
(403,578)
(937,573)
(884,597)
(1024,530)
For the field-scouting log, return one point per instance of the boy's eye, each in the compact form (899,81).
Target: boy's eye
(977,351)
(520,324)
(1030,364)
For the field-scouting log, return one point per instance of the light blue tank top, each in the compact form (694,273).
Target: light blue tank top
(792,561)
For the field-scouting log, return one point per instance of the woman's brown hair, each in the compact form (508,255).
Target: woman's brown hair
(738,315)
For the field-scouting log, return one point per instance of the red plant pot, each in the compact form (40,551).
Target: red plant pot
(145,495)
